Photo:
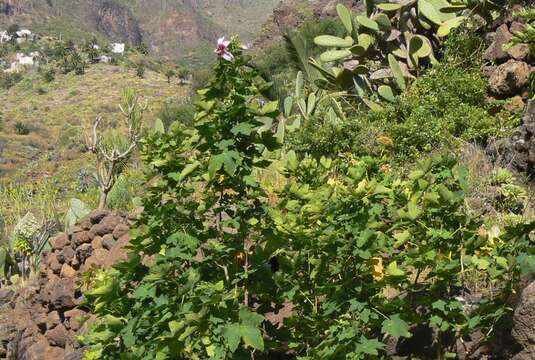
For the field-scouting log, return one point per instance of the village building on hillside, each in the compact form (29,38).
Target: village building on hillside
(118,48)
(22,61)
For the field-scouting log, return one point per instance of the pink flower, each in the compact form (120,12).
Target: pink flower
(221,49)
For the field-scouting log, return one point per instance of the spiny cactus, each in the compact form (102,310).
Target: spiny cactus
(385,46)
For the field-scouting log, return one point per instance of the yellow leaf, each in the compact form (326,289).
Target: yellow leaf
(378,270)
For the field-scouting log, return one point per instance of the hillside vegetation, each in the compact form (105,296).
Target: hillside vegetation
(357,187)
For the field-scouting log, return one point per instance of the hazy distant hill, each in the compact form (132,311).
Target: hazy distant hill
(171,28)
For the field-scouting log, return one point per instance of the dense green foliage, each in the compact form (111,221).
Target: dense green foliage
(443,107)
(206,200)
(248,249)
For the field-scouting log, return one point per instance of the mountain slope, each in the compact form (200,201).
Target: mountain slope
(172,28)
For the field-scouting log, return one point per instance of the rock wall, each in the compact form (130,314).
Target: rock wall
(41,320)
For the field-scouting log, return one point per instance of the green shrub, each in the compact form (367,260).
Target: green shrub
(21,128)
(175,110)
(206,174)
(8,80)
(127,187)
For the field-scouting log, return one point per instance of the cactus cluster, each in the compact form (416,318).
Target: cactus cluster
(385,46)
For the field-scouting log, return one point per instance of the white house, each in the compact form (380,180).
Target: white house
(24,33)
(117,48)
(23,60)
(4,37)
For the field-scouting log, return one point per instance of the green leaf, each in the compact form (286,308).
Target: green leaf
(386,93)
(299,85)
(396,327)
(426,8)
(450,24)
(389,6)
(270,107)
(248,317)
(232,335)
(158,126)
(397,72)
(334,55)
(252,337)
(367,22)
(370,346)
(393,270)
(345,16)
(365,40)
(175,326)
(188,169)
(333,41)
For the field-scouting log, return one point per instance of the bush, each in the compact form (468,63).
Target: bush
(21,128)
(175,110)
(8,80)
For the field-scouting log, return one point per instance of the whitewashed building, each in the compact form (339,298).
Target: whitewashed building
(118,48)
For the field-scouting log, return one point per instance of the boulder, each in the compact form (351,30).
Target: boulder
(524,320)
(61,295)
(41,350)
(67,271)
(96,243)
(118,252)
(120,230)
(108,241)
(98,259)
(83,252)
(509,78)
(66,255)
(58,242)
(53,263)
(97,215)
(519,51)
(495,52)
(105,226)
(58,336)
(52,320)
(80,238)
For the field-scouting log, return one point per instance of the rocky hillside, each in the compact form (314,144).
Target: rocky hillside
(173,28)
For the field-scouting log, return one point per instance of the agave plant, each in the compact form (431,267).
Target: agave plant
(385,46)
(22,254)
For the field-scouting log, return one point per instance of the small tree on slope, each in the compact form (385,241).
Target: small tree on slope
(113,150)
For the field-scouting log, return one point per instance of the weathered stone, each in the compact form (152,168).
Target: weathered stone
(58,336)
(97,215)
(58,242)
(105,226)
(509,78)
(96,243)
(98,259)
(41,350)
(120,230)
(81,238)
(75,319)
(516,26)
(85,223)
(83,252)
(61,294)
(77,354)
(53,263)
(52,320)
(108,241)
(117,252)
(74,229)
(514,104)
(495,51)
(6,296)
(66,255)
(524,320)
(519,51)
(67,271)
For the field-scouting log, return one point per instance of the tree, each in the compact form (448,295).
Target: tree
(183,75)
(113,151)
(169,73)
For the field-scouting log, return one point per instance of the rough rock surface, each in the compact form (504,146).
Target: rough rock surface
(518,151)
(524,324)
(509,78)
(41,321)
